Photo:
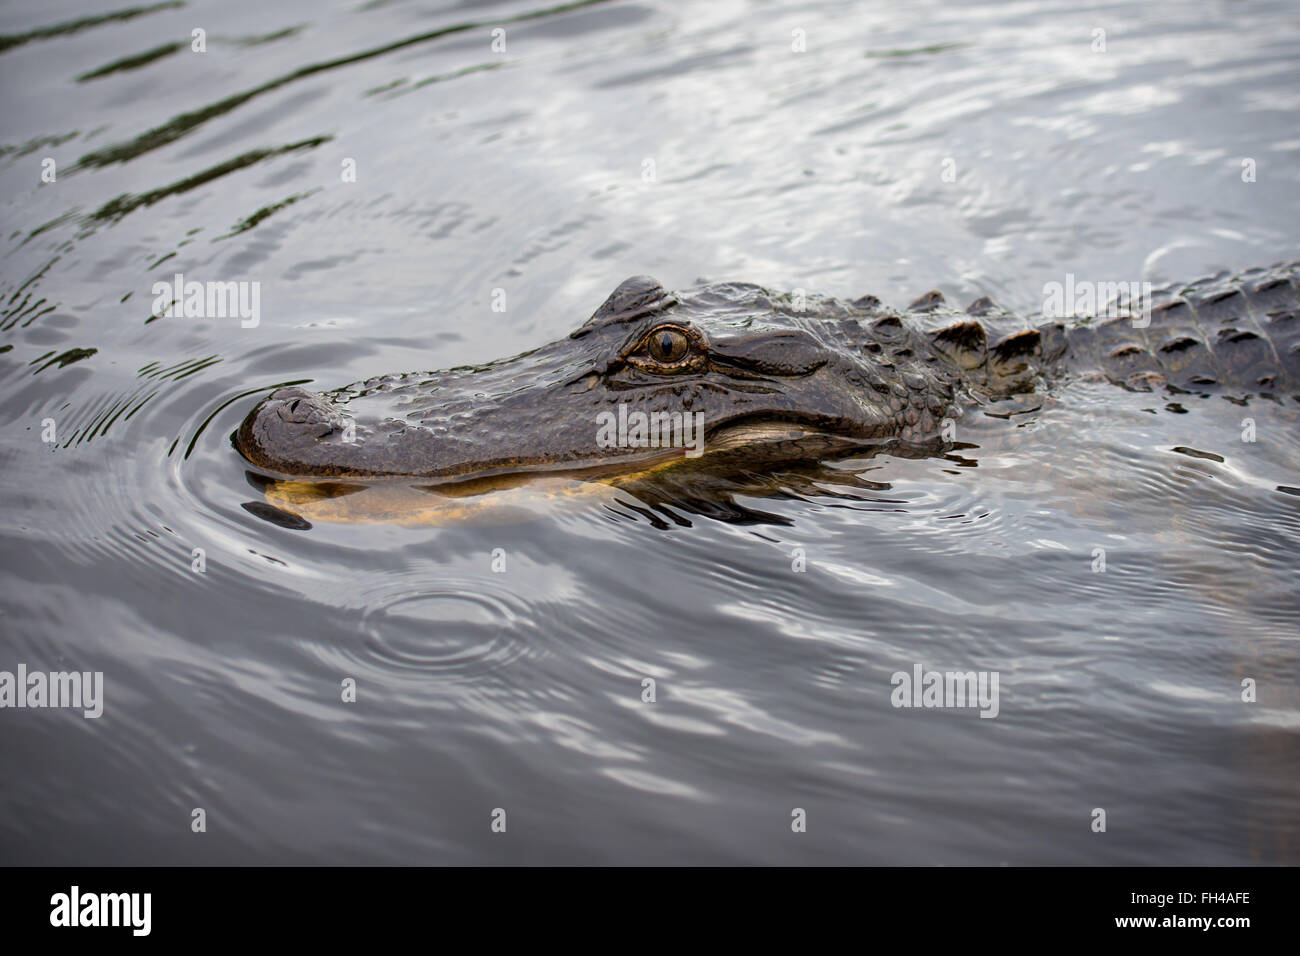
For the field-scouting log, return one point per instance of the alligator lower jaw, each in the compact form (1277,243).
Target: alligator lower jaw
(736,453)
(477,478)
(410,505)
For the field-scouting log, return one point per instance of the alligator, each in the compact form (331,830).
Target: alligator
(750,366)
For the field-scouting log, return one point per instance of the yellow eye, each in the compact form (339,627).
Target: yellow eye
(668,345)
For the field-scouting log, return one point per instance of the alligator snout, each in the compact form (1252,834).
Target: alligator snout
(288,417)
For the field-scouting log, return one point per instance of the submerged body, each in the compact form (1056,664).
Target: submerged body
(653,376)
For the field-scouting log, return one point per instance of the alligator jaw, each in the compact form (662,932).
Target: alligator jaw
(317,429)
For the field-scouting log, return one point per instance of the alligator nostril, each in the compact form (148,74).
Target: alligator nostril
(301,410)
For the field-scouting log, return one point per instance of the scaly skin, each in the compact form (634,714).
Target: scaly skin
(765,366)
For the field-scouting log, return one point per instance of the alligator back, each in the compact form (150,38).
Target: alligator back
(1235,332)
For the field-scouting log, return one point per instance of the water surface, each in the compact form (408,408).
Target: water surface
(978,148)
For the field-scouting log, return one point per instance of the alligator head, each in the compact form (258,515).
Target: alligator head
(650,375)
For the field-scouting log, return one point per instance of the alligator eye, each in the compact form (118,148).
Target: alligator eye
(668,345)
